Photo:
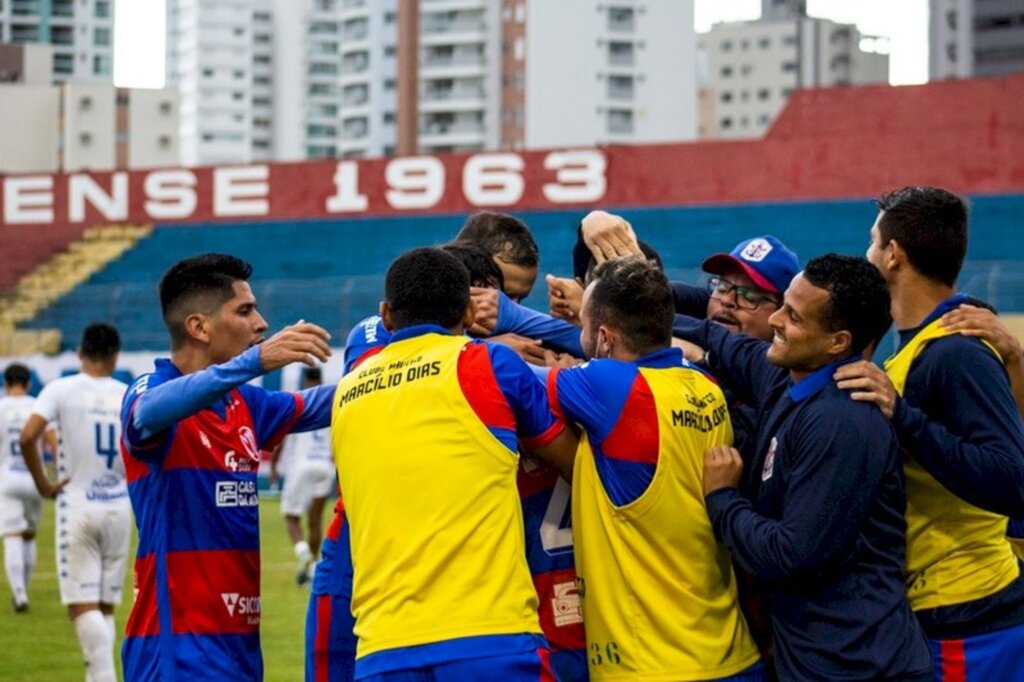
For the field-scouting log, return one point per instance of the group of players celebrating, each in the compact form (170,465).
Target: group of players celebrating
(656,481)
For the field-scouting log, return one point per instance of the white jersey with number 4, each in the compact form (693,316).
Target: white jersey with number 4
(87,413)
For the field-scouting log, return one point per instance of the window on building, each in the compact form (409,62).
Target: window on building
(101,36)
(620,53)
(102,9)
(207,73)
(102,65)
(166,108)
(238,75)
(726,96)
(746,69)
(789,67)
(238,96)
(789,40)
(725,123)
(764,43)
(744,44)
(85,103)
(389,83)
(726,46)
(620,87)
(620,121)
(621,18)
(389,50)
(787,93)
(726,71)
(389,17)
(763,94)
(164,141)
(85,139)
(389,117)
(951,19)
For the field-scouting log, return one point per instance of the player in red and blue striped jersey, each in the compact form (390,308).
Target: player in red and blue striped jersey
(193,431)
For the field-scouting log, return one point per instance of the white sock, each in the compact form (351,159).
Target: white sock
(14,562)
(30,560)
(97,646)
(302,551)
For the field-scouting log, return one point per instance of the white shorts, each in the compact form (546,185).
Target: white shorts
(92,550)
(20,505)
(305,482)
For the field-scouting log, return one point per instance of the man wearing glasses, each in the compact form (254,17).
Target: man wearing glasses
(746,284)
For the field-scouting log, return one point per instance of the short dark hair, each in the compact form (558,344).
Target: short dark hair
(198,284)
(426,286)
(634,296)
(931,225)
(858,297)
(483,271)
(100,341)
(17,374)
(312,374)
(503,236)
(650,253)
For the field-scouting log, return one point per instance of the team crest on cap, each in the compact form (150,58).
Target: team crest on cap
(756,250)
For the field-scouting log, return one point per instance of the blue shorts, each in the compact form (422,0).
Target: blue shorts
(996,656)
(330,644)
(570,665)
(532,666)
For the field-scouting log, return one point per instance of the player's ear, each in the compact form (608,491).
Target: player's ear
(197,326)
(385,316)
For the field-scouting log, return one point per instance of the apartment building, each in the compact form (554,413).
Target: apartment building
(80,31)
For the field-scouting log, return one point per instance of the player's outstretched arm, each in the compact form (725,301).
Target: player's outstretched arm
(34,428)
(156,409)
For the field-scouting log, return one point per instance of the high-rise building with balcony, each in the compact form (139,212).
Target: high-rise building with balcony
(491,74)
(751,68)
(969,38)
(80,31)
(220,58)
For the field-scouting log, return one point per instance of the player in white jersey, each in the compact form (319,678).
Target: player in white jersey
(20,503)
(93,511)
(309,481)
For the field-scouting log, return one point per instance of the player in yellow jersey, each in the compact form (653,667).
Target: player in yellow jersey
(425,437)
(949,399)
(659,594)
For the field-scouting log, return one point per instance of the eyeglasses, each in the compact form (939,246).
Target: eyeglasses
(746,298)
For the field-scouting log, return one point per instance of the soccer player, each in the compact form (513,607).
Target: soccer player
(311,478)
(424,434)
(949,399)
(93,512)
(20,502)
(822,526)
(510,243)
(193,433)
(659,596)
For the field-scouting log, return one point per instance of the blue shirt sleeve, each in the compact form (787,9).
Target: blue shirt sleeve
(736,360)
(140,446)
(593,395)
(836,462)
(517,319)
(959,419)
(368,333)
(536,424)
(154,409)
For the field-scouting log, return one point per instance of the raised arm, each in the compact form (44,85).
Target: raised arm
(738,361)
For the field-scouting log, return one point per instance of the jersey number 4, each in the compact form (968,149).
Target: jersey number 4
(106,447)
(556,528)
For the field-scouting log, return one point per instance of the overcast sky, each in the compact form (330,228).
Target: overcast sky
(139,33)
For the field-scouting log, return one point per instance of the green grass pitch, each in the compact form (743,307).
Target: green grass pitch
(41,645)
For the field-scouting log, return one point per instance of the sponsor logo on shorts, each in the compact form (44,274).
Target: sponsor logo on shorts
(565,605)
(237,494)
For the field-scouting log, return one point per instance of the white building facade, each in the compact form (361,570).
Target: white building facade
(753,67)
(80,31)
(968,38)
